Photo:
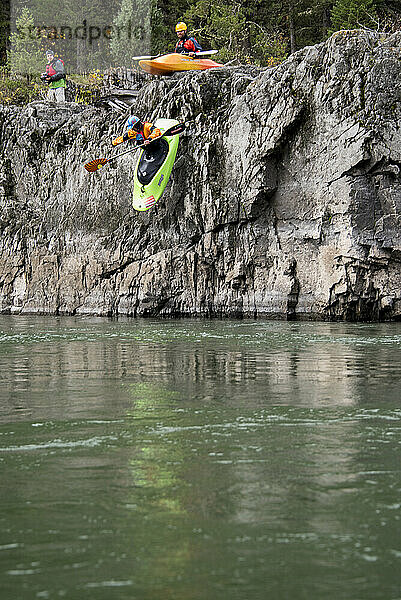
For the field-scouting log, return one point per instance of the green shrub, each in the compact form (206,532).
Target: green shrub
(16,90)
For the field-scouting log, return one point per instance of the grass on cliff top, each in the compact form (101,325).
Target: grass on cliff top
(17,90)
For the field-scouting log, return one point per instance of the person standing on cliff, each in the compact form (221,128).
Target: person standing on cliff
(55,78)
(185,44)
(138,132)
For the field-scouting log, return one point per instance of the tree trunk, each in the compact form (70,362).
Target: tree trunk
(4,30)
(291,25)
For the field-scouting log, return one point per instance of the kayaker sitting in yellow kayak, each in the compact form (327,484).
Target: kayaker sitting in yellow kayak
(185,44)
(141,133)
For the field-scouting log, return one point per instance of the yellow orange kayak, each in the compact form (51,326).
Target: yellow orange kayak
(170,63)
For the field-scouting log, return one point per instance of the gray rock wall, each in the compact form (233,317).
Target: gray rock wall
(285,199)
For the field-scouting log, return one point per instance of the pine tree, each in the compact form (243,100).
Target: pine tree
(25,56)
(131,32)
(354,14)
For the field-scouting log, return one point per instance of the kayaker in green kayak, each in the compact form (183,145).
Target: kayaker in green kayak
(138,132)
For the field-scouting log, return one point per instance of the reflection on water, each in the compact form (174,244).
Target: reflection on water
(199,459)
(286,363)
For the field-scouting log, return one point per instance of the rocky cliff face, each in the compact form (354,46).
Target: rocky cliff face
(285,199)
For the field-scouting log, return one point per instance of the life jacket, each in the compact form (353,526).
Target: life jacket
(148,131)
(187,44)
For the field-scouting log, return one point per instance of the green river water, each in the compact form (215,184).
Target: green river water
(199,460)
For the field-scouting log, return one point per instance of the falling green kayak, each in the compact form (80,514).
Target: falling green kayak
(154,167)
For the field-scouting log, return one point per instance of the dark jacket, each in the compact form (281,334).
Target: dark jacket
(55,73)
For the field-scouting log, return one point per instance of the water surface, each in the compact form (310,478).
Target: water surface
(198,460)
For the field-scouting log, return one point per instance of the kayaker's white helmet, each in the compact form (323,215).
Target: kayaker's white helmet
(181,26)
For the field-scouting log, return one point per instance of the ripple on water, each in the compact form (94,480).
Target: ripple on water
(60,444)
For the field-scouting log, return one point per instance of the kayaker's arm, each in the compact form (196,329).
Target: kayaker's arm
(152,132)
(198,47)
(128,135)
(117,140)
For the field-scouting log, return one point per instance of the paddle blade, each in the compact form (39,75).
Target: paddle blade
(175,129)
(145,57)
(206,53)
(95,164)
